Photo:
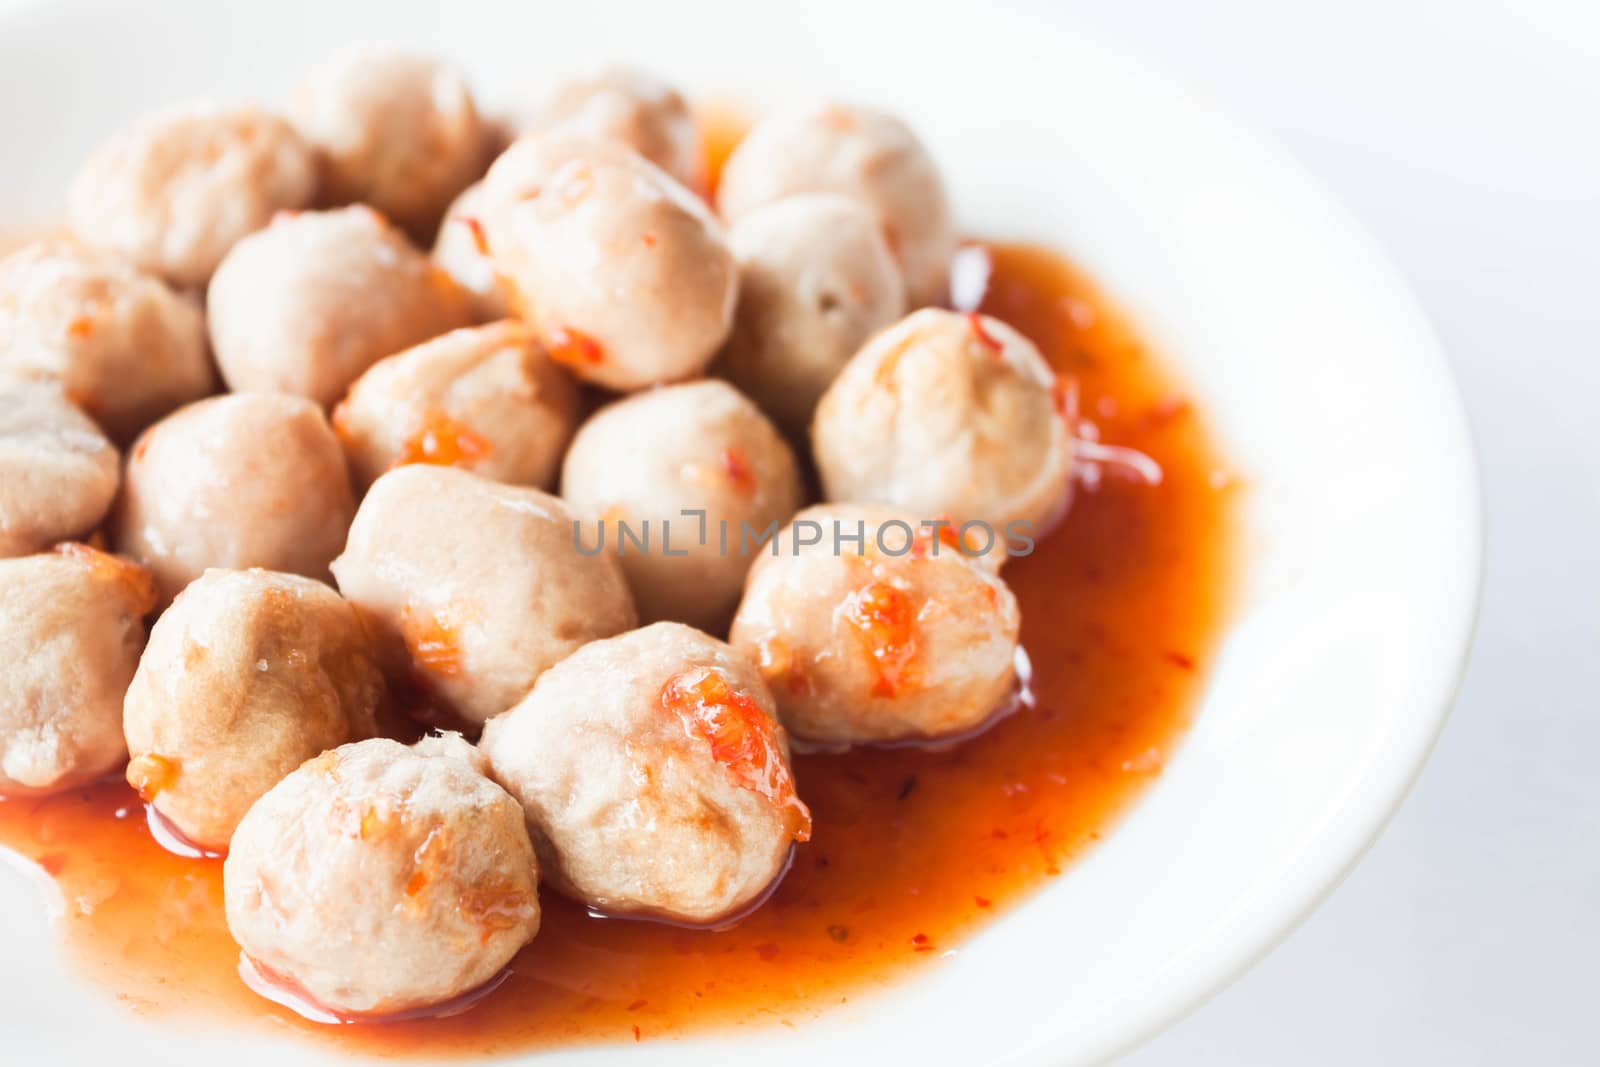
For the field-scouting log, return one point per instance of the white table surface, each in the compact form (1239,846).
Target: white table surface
(1466,136)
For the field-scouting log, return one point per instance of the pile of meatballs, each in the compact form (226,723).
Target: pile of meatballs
(270,469)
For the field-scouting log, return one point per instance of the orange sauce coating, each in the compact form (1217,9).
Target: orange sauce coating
(740,735)
(910,851)
(737,468)
(886,620)
(574,347)
(723,124)
(444,442)
(432,641)
(151,775)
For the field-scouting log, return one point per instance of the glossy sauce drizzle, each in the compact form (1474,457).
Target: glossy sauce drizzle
(910,851)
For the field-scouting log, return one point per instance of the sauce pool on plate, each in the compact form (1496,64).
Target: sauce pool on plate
(911,850)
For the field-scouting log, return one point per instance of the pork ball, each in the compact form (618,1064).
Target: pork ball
(655,777)
(484,398)
(948,414)
(872,625)
(462,249)
(175,190)
(860,153)
(621,270)
(641,467)
(58,473)
(70,633)
(816,279)
(379,879)
(476,587)
(399,132)
(246,480)
(247,675)
(127,348)
(307,304)
(636,108)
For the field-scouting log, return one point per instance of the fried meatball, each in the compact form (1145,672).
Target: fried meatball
(476,587)
(621,270)
(127,348)
(636,108)
(379,879)
(485,398)
(860,153)
(816,279)
(70,635)
(247,675)
(248,480)
(947,414)
(307,304)
(897,630)
(399,132)
(655,776)
(463,251)
(58,473)
(645,461)
(177,189)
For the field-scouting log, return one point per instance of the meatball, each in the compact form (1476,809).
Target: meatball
(485,398)
(399,132)
(948,414)
(860,153)
(816,279)
(873,626)
(636,108)
(380,879)
(70,634)
(476,587)
(174,191)
(647,464)
(621,270)
(248,480)
(655,776)
(58,473)
(127,348)
(463,251)
(248,675)
(309,303)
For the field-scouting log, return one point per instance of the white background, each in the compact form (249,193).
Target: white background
(1466,136)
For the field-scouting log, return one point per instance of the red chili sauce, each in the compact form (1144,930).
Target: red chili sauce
(910,852)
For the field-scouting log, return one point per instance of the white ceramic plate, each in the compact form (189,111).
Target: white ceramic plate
(1306,351)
